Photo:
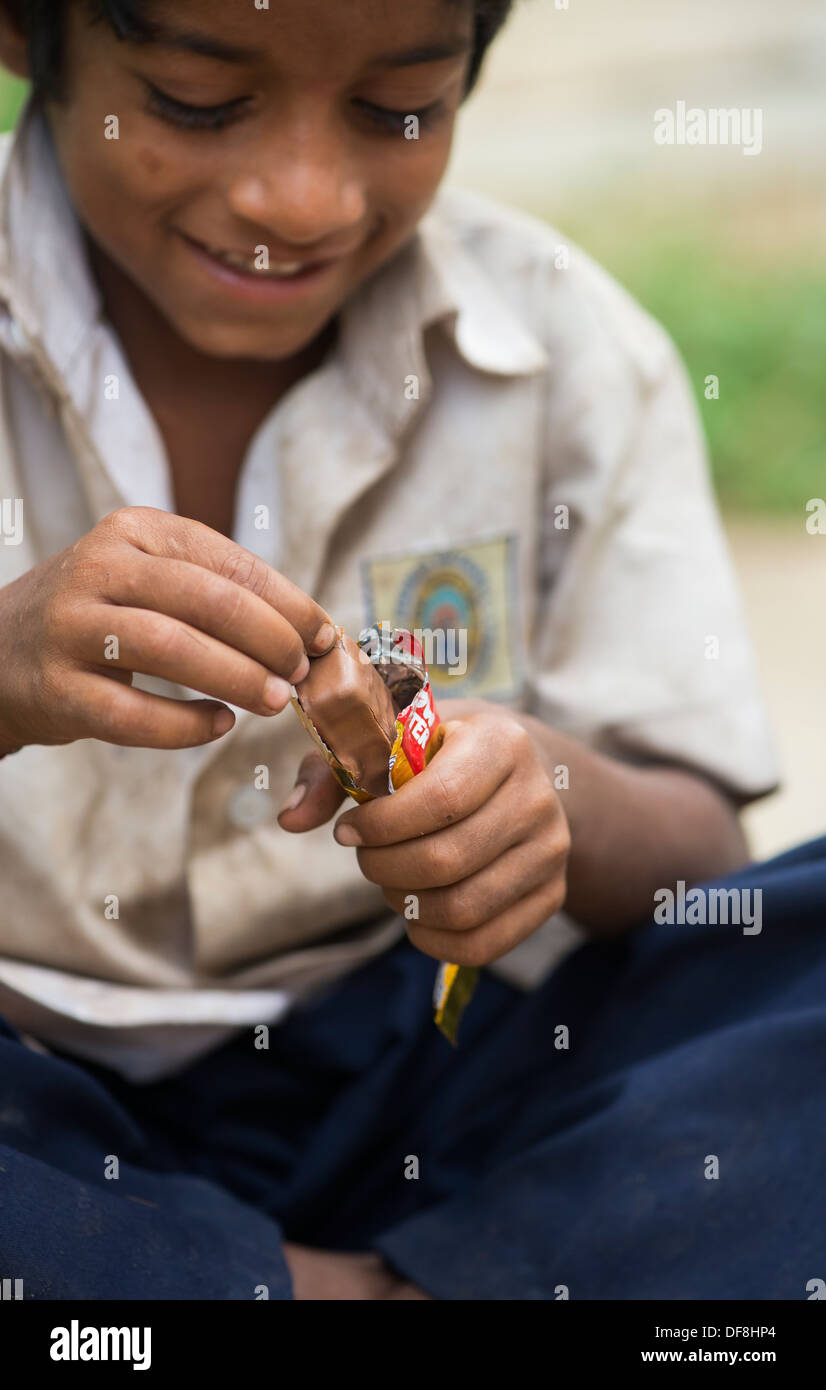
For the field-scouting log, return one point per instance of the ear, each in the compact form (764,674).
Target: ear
(14,49)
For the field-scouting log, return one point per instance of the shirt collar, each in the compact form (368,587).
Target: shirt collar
(433,283)
(46,285)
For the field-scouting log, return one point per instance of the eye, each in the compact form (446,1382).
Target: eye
(396,121)
(180,113)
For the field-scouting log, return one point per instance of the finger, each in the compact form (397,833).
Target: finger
(164,534)
(459,779)
(315,797)
(155,645)
(204,600)
(448,856)
(495,938)
(109,710)
(463,906)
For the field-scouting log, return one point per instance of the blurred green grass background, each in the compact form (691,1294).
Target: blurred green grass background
(12,96)
(749,310)
(757,322)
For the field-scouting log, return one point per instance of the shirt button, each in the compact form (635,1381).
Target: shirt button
(249,807)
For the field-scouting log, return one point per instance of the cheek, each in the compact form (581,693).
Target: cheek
(121,188)
(114,175)
(148,177)
(409,182)
(142,173)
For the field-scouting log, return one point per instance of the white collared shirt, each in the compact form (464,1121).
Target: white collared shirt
(498,443)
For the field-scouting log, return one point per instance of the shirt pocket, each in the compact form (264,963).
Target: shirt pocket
(463,605)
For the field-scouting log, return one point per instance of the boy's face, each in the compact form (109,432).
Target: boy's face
(300,148)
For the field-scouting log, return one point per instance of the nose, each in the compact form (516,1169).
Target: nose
(302,187)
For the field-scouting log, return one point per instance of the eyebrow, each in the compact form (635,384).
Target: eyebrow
(190,41)
(425,53)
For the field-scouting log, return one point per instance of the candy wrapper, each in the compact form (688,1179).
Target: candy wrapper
(369,707)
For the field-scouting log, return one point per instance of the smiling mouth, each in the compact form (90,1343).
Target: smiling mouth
(244,263)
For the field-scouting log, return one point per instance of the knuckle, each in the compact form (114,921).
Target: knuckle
(516,736)
(122,522)
(560,838)
(131,584)
(87,571)
(444,861)
(458,911)
(444,794)
(241,567)
(162,635)
(226,600)
(546,802)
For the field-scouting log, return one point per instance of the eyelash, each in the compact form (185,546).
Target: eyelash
(395,121)
(180,114)
(193,117)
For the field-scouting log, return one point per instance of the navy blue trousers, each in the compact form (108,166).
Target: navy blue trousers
(674,1149)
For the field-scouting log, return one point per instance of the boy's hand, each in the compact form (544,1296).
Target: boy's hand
(481,841)
(183,602)
(479,838)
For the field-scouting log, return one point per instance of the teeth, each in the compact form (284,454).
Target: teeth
(248,263)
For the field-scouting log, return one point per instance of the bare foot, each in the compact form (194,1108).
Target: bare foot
(330,1274)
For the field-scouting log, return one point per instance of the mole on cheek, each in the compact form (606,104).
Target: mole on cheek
(148,160)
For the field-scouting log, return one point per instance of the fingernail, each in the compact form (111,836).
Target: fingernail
(276,693)
(295,798)
(324,640)
(302,670)
(347,835)
(222,722)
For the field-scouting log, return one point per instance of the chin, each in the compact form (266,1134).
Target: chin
(260,344)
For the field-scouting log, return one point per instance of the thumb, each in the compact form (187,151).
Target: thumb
(315,797)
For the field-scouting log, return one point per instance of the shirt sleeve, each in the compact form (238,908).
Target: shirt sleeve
(640,646)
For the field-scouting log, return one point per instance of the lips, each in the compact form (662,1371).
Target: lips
(247,263)
(251,265)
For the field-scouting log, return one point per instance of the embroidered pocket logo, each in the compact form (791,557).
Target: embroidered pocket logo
(461,605)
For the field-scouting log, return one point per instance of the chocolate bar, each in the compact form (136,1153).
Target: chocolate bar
(352,711)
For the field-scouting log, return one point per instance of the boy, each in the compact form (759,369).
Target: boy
(259,374)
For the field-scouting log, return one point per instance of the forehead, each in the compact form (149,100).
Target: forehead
(324,39)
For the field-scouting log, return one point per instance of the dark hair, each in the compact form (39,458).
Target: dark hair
(42,21)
